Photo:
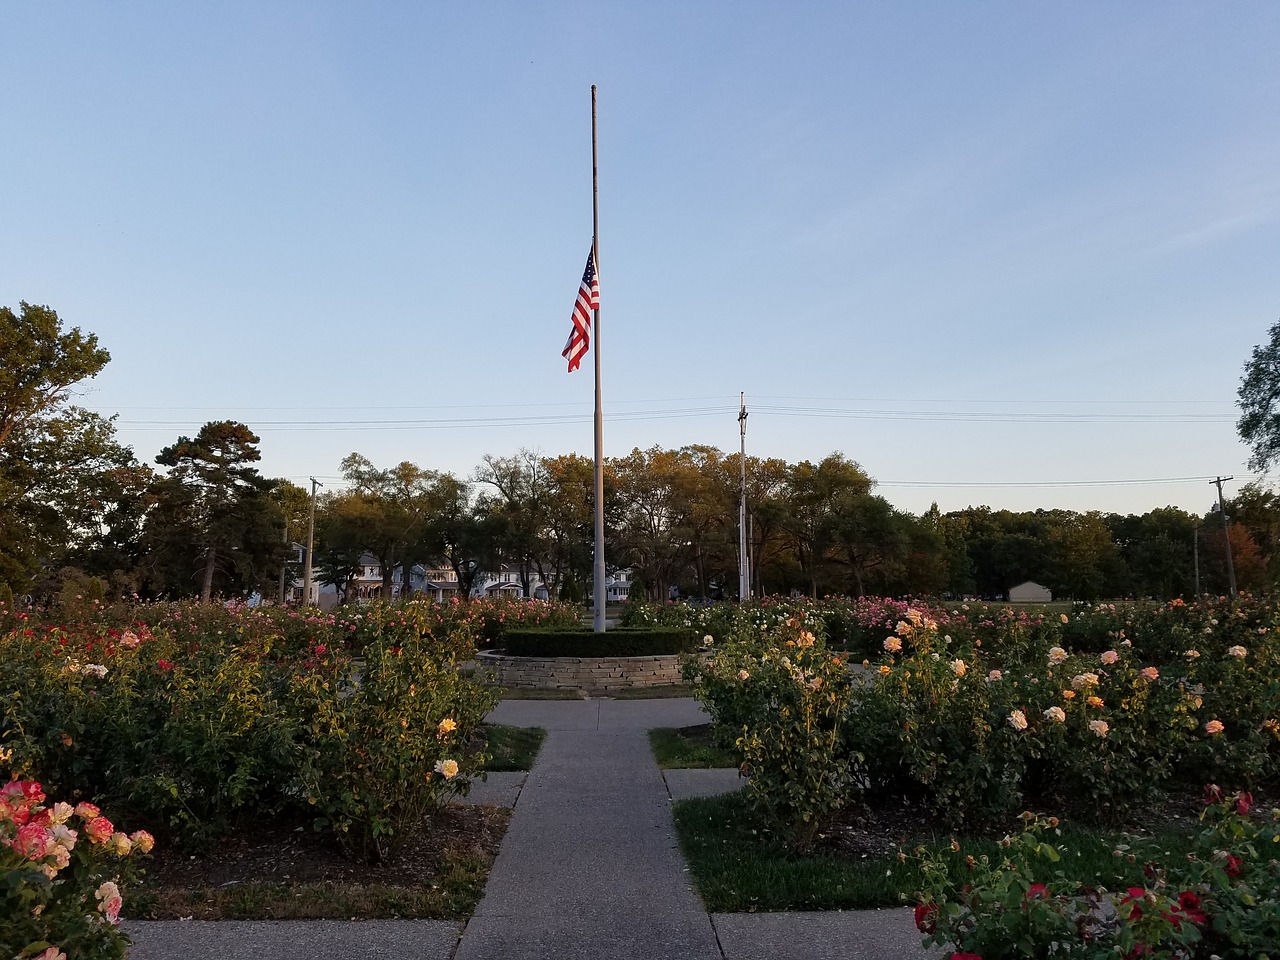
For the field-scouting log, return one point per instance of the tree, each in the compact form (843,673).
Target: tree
(59,464)
(1156,553)
(706,482)
(652,517)
(460,534)
(390,512)
(41,365)
(869,538)
(294,505)
(570,516)
(773,563)
(1257,509)
(345,522)
(814,496)
(516,509)
(214,511)
(1086,558)
(1259,400)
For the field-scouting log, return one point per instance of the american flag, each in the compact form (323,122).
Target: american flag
(588,299)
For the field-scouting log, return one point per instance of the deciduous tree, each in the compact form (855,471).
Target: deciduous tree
(1259,400)
(59,464)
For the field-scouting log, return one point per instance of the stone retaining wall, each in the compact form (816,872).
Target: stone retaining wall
(590,674)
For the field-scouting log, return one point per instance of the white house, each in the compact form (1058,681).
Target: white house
(1030,592)
(506,583)
(440,583)
(618,586)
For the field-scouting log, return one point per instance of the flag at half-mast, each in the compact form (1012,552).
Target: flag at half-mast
(588,299)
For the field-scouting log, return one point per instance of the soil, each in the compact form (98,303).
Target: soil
(863,832)
(290,853)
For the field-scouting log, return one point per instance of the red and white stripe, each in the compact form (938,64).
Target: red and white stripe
(588,300)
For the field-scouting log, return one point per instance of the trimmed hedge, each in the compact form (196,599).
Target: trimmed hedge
(620,642)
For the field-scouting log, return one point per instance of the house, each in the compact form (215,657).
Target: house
(1030,592)
(440,583)
(506,583)
(618,586)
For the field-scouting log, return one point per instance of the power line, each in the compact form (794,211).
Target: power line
(1021,401)
(1040,483)
(935,416)
(966,483)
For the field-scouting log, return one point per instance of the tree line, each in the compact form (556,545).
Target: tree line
(77,505)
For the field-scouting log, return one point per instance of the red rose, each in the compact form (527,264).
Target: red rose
(1234,864)
(1212,793)
(1243,802)
(1036,890)
(1189,905)
(925,917)
(1134,898)
(964,956)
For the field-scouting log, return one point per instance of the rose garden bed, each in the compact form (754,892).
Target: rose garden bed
(284,870)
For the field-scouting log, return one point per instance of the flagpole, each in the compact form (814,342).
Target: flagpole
(599,573)
(744,563)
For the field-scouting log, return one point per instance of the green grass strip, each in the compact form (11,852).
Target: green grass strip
(665,691)
(738,868)
(688,748)
(513,748)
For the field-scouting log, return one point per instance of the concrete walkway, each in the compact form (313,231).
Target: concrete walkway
(589,868)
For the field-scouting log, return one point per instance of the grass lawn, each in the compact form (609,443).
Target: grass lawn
(737,869)
(664,692)
(512,748)
(524,693)
(687,748)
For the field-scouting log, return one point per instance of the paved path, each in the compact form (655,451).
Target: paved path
(589,868)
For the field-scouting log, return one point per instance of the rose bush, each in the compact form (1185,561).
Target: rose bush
(778,698)
(929,722)
(381,747)
(61,867)
(1222,901)
(189,719)
(981,713)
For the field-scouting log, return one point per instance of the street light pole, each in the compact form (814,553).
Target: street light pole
(311,539)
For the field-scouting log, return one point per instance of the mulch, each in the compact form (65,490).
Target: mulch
(290,851)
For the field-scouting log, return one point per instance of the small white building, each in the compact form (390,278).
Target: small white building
(1030,592)
(506,583)
(618,586)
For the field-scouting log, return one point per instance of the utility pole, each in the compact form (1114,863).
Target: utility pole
(1226,535)
(744,563)
(284,566)
(311,539)
(1195,534)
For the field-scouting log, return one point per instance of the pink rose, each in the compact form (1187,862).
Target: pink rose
(32,841)
(99,830)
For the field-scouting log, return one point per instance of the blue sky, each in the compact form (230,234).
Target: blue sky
(994,252)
